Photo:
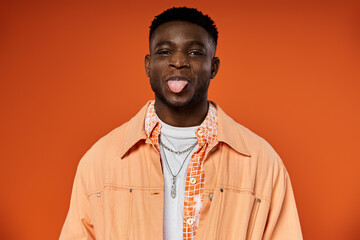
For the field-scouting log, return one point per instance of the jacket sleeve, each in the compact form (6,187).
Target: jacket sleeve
(283,220)
(78,222)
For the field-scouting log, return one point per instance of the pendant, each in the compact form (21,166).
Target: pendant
(173,188)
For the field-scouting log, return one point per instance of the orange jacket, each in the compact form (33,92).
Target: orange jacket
(118,191)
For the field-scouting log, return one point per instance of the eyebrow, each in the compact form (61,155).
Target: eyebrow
(196,43)
(190,43)
(163,43)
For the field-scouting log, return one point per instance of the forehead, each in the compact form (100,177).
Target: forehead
(180,32)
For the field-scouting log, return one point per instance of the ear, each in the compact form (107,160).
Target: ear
(147,64)
(215,64)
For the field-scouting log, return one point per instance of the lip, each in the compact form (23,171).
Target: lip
(177,78)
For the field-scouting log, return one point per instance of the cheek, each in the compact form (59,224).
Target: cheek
(203,70)
(157,68)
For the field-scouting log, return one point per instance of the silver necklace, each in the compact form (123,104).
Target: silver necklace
(173,187)
(177,152)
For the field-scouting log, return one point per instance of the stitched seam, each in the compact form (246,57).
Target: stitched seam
(118,187)
(218,220)
(254,219)
(245,190)
(100,203)
(130,214)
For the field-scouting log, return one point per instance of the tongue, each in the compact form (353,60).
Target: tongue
(177,86)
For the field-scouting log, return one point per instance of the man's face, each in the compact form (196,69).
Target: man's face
(181,63)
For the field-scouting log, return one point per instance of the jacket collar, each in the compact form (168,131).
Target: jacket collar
(230,132)
(235,139)
(135,130)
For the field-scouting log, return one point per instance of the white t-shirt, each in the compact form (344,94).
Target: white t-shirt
(176,138)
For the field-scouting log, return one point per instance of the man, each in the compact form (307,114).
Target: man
(181,168)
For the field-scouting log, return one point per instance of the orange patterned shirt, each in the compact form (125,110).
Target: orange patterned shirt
(194,187)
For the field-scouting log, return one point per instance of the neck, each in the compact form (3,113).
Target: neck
(187,116)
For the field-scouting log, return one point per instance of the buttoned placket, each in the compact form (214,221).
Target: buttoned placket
(190,179)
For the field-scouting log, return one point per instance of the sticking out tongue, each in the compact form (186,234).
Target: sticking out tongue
(177,86)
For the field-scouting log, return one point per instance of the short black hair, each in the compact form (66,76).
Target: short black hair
(191,15)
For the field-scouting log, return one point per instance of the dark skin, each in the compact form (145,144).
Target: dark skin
(184,51)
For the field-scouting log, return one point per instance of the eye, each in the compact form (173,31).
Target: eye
(163,52)
(196,53)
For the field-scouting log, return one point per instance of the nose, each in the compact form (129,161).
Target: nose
(179,60)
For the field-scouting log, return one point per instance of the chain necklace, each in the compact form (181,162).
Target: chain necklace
(173,187)
(177,152)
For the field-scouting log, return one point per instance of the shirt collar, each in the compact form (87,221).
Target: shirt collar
(136,130)
(206,132)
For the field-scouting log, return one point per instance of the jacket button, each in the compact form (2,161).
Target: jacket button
(99,194)
(192,181)
(211,196)
(190,221)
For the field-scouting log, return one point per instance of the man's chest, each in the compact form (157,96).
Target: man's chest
(128,201)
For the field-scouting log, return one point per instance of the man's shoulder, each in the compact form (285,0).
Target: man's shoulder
(115,143)
(236,133)
(254,142)
(247,142)
(257,152)
(114,138)
(109,144)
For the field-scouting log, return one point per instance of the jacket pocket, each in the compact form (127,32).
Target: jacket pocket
(240,213)
(258,218)
(96,213)
(111,210)
(130,213)
(218,218)
(253,217)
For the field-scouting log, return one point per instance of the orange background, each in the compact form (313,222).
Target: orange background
(72,71)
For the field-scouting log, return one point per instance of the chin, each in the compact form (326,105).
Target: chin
(172,100)
(177,102)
